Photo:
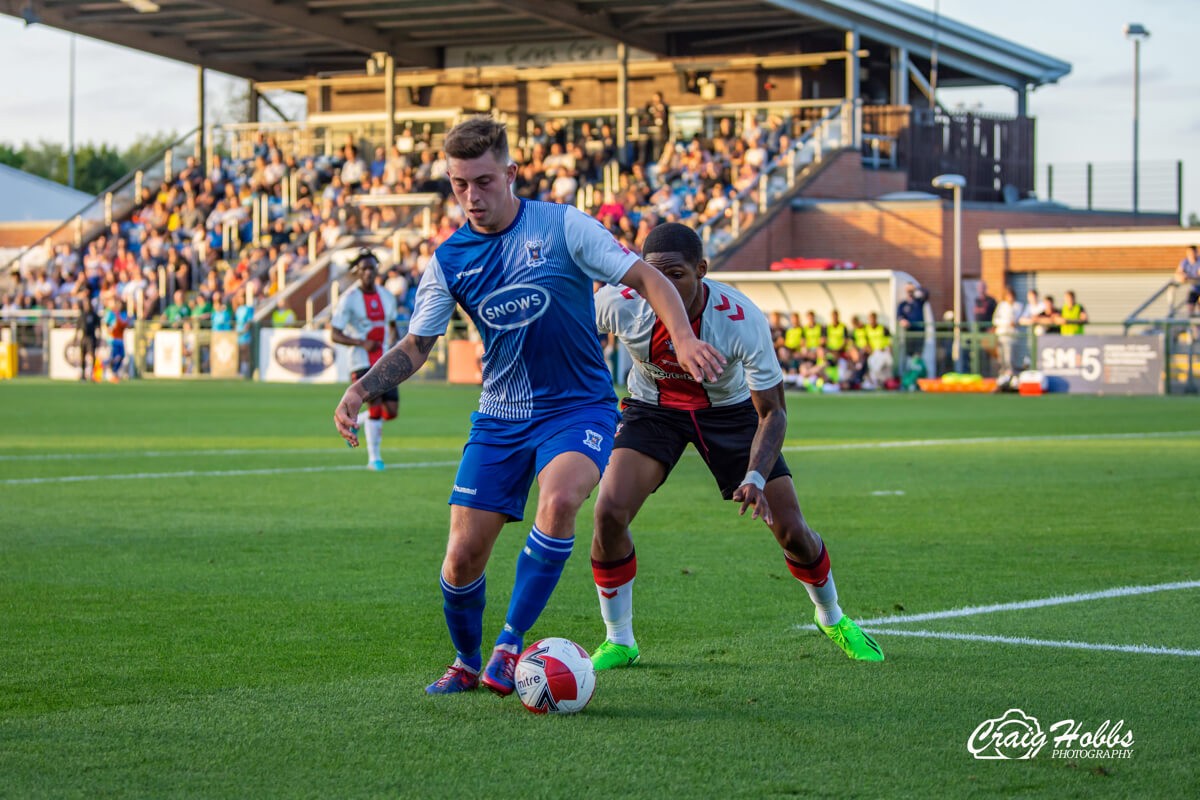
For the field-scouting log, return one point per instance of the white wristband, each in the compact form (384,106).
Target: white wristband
(755,478)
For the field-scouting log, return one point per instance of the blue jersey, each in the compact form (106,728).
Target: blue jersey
(528,289)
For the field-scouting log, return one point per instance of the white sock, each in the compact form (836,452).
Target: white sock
(825,598)
(616,606)
(374,438)
(458,662)
(363,416)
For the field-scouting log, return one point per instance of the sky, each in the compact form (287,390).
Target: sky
(1087,117)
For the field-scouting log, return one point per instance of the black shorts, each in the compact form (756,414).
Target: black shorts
(722,435)
(1193,295)
(392,394)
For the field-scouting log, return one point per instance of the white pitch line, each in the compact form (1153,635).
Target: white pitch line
(983,440)
(787,449)
(215,473)
(1120,591)
(979,637)
(232,452)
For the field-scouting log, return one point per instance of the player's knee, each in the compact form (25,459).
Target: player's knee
(390,413)
(464,561)
(611,518)
(558,505)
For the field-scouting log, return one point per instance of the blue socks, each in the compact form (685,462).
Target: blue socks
(538,568)
(463,607)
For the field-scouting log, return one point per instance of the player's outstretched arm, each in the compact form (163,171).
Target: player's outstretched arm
(392,369)
(699,358)
(764,452)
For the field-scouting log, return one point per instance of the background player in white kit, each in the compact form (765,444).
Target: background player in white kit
(737,424)
(365,320)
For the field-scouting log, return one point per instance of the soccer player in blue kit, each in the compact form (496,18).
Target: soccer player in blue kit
(523,271)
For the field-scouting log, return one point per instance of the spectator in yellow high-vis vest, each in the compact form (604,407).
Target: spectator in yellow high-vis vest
(878,336)
(282,316)
(1073,316)
(835,334)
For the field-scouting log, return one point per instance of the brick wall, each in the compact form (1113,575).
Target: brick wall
(738,84)
(23,234)
(845,179)
(998,264)
(917,237)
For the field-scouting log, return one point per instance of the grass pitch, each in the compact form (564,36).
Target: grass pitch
(248,613)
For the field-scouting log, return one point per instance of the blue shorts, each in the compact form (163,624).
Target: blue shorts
(502,457)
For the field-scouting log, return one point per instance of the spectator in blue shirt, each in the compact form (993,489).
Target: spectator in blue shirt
(379,165)
(243,317)
(222,317)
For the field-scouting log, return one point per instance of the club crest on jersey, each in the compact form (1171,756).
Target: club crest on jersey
(536,251)
(592,439)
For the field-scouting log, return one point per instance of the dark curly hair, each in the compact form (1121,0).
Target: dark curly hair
(674,237)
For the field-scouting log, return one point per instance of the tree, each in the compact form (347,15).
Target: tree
(11,156)
(147,146)
(98,167)
(46,159)
(1193,220)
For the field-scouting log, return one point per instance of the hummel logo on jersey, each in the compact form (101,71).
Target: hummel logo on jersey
(464,490)
(534,249)
(593,439)
(725,305)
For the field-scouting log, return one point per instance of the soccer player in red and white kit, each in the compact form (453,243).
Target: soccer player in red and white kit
(365,320)
(737,424)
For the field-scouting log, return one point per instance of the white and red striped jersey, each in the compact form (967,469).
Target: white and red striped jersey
(366,316)
(729,322)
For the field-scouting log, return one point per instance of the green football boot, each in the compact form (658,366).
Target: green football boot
(847,635)
(611,654)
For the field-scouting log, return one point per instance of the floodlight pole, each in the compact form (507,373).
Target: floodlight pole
(622,101)
(1137,80)
(958,316)
(956,183)
(71,118)
(1136,32)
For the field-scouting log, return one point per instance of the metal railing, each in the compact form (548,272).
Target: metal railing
(778,176)
(1176,300)
(114,203)
(980,348)
(324,134)
(1108,186)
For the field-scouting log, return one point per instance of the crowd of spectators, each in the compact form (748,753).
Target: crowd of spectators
(194,233)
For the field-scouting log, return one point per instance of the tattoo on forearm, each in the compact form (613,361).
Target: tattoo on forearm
(424,343)
(768,443)
(389,372)
(394,367)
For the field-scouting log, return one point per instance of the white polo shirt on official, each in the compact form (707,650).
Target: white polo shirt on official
(358,315)
(729,322)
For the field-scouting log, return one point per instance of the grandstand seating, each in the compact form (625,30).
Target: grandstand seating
(251,224)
